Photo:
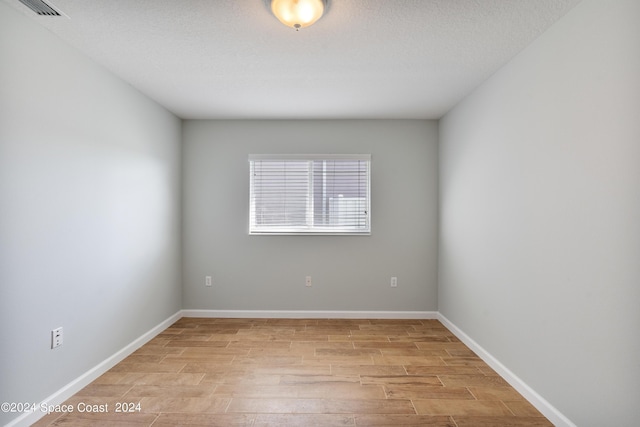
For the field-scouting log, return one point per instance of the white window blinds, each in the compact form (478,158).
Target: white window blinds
(309,194)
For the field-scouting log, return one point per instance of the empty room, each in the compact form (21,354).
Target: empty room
(320,213)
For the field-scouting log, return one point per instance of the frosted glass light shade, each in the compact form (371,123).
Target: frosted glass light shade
(297,13)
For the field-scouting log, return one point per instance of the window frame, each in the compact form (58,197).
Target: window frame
(309,230)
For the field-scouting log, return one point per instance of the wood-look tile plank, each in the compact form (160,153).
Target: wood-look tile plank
(408,360)
(206,367)
(157,404)
(224,337)
(240,378)
(407,380)
(504,421)
(145,358)
(486,370)
(352,352)
(147,367)
(461,407)
(472,380)
(204,420)
(291,351)
(219,359)
(157,342)
(316,345)
(109,419)
(427,392)
(442,370)
(222,356)
(156,351)
(104,390)
(200,366)
(292,322)
(311,336)
(383,345)
(495,393)
(139,391)
(297,391)
(338,360)
(196,352)
(403,421)
(140,378)
(110,378)
(294,369)
(329,330)
(442,345)
(461,352)
(262,344)
(378,332)
(350,337)
(411,322)
(391,329)
(189,337)
(344,322)
(522,408)
(436,352)
(311,380)
(367,370)
(268,360)
(192,343)
(306,420)
(464,361)
(321,406)
(217,330)
(430,323)
(421,339)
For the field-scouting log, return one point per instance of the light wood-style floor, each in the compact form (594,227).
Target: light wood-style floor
(291,372)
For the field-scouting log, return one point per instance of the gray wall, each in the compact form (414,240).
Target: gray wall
(540,214)
(349,272)
(89,212)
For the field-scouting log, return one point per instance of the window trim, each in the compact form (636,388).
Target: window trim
(307,231)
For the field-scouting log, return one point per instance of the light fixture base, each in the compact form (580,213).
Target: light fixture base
(297,13)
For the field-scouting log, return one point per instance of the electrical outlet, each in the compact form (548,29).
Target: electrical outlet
(307,281)
(394,282)
(207,281)
(56,337)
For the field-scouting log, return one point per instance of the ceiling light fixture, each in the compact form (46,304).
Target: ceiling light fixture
(298,13)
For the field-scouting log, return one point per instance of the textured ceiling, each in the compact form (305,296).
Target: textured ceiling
(363,59)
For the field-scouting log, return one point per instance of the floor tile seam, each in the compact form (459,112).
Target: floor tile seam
(226,409)
(204,374)
(470,392)
(155,419)
(414,407)
(440,379)
(508,408)
(131,386)
(179,371)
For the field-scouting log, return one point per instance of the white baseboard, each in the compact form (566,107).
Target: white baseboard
(85,379)
(312,314)
(541,404)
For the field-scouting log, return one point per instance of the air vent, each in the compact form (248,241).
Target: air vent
(40,7)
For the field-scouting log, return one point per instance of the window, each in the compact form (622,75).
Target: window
(309,194)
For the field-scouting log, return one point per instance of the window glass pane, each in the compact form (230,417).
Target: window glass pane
(281,193)
(312,195)
(340,193)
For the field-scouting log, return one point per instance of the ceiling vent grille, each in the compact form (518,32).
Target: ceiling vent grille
(40,7)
